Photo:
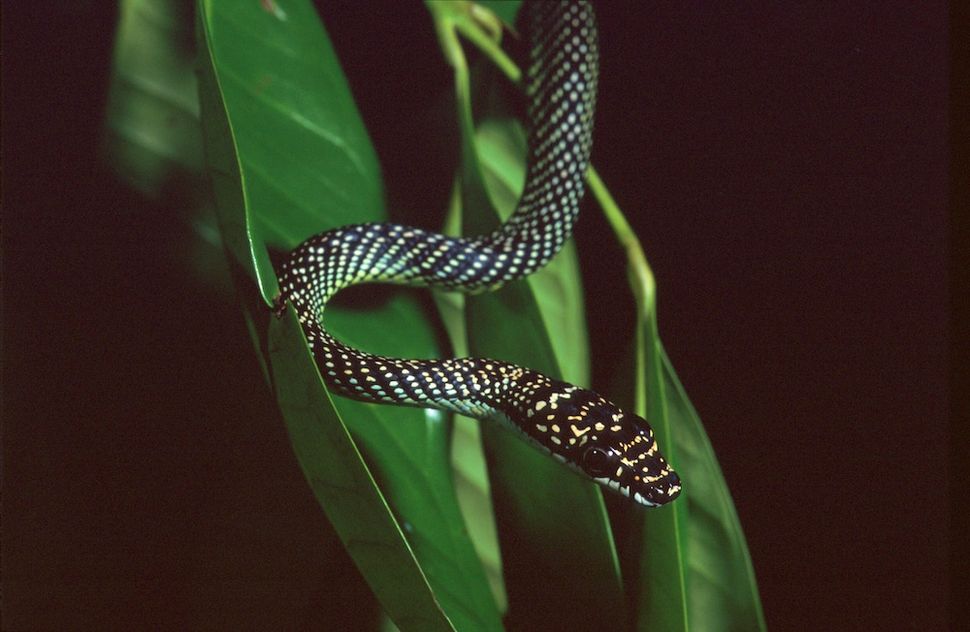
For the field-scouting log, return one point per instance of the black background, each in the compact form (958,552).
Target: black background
(786,170)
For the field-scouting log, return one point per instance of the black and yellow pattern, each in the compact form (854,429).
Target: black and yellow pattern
(575,425)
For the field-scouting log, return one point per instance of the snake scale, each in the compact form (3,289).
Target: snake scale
(574,425)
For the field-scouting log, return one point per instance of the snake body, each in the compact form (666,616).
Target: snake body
(576,426)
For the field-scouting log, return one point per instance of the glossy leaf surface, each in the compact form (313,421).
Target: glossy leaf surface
(152,120)
(662,587)
(552,523)
(721,586)
(289,157)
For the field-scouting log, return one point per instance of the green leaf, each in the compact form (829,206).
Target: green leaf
(152,137)
(662,590)
(152,133)
(556,288)
(343,486)
(655,558)
(560,563)
(691,569)
(690,563)
(467,459)
(552,523)
(301,147)
(288,157)
(504,9)
(721,586)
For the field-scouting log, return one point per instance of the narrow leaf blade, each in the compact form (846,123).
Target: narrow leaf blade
(343,486)
(663,568)
(557,546)
(289,157)
(722,589)
(152,133)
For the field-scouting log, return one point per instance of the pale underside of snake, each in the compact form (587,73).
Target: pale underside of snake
(574,425)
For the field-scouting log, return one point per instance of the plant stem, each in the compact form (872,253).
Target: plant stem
(640,275)
(491,49)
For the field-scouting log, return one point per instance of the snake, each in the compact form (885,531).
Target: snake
(574,425)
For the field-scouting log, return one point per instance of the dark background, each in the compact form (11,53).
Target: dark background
(786,168)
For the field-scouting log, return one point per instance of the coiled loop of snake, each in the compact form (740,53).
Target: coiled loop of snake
(574,425)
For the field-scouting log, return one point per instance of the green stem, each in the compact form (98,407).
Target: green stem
(640,275)
(490,48)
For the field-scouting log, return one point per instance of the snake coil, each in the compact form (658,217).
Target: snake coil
(576,426)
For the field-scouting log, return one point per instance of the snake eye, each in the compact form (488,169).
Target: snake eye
(596,461)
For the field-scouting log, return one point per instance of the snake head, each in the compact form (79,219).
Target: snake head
(616,449)
(625,458)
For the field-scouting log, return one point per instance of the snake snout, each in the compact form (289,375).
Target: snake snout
(660,491)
